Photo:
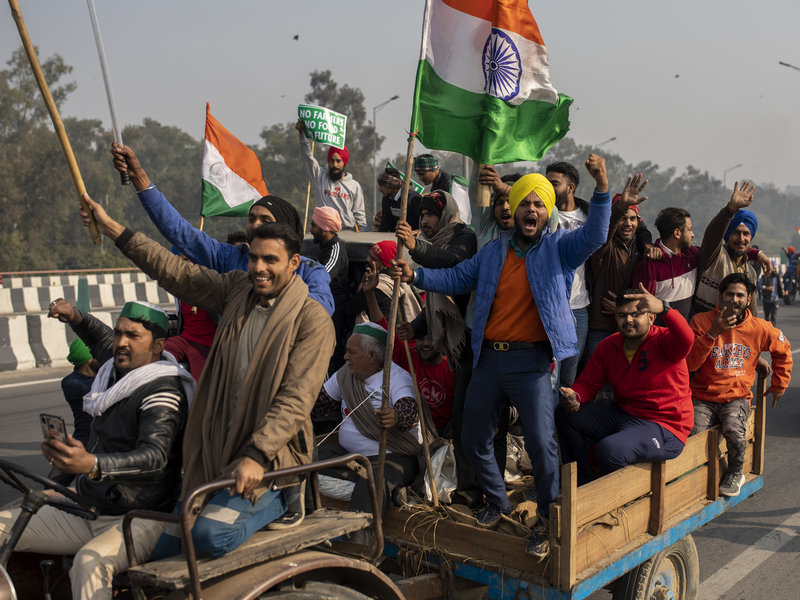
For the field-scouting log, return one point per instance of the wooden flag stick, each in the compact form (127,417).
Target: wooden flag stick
(308,195)
(58,125)
(387,361)
(422,426)
(483,193)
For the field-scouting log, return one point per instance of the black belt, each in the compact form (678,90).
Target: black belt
(506,346)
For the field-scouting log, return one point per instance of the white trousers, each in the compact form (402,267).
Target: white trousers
(98,546)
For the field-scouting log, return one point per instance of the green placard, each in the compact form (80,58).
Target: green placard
(323,125)
(414,184)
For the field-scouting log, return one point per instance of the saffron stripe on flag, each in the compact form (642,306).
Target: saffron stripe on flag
(511,16)
(453,53)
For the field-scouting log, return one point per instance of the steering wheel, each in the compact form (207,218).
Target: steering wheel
(74,504)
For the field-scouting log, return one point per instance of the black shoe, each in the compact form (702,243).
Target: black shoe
(539,544)
(490,516)
(295,511)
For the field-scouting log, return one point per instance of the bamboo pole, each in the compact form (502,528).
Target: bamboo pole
(387,361)
(308,195)
(483,192)
(58,125)
(422,427)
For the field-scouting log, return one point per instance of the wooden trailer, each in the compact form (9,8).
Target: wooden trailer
(630,530)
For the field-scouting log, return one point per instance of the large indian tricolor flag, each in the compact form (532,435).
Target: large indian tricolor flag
(483,83)
(232,178)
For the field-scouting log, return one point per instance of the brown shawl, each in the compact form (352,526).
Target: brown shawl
(268,411)
(271,411)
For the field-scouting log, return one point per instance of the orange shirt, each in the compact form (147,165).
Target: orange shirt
(725,367)
(514,316)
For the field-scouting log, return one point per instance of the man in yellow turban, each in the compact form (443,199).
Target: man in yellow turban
(522,320)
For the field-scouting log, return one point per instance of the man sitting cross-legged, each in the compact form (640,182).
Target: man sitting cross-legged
(645,365)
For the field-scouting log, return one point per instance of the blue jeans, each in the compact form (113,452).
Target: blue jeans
(522,377)
(621,439)
(225,524)
(567,370)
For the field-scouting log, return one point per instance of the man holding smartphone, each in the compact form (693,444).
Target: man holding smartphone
(138,403)
(727,344)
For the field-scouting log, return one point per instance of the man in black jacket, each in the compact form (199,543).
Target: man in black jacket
(138,403)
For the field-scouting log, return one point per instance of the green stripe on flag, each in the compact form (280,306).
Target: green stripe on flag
(485,128)
(213,204)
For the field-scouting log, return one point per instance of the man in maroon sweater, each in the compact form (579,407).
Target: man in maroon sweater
(652,412)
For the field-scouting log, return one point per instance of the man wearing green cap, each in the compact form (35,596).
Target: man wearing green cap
(138,403)
(77,384)
(522,321)
(355,391)
(251,412)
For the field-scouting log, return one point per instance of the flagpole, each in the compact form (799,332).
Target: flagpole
(58,124)
(124,178)
(308,195)
(202,221)
(422,426)
(387,361)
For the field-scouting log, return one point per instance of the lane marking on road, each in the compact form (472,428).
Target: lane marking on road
(795,351)
(6,386)
(728,576)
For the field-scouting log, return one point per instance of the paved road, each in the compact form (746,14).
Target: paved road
(750,552)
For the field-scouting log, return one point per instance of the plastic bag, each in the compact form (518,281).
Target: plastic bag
(338,489)
(443,463)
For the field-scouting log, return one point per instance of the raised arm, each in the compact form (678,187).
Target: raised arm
(93,332)
(201,248)
(195,285)
(309,162)
(712,238)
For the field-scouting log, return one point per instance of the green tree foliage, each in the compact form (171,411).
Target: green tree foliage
(39,228)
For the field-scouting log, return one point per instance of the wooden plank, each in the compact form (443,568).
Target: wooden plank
(658,485)
(685,492)
(427,530)
(694,454)
(760,425)
(611,491)
(712,486)
(569,526)
(318,527)
(597,543)
(555,543)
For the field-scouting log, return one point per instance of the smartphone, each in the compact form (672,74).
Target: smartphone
(727,309)
(53,427)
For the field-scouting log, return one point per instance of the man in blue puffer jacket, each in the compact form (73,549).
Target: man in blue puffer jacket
(204,250)
(522,320)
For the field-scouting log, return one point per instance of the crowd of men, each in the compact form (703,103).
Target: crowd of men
(610,347)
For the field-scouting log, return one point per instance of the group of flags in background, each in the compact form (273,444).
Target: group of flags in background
(482,90)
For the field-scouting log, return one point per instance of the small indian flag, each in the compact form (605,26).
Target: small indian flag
(232,178)
(483,83)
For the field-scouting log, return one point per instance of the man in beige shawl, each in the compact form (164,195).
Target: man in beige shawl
(355,390)
(251,411)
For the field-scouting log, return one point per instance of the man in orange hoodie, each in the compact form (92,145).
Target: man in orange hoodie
(727,343)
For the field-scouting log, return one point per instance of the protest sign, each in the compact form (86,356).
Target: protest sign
(414,184)
(323,125)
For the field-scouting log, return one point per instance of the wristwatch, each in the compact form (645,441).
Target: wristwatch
(94,474)
(666,308)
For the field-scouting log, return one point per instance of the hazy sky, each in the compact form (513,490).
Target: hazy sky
(676,82)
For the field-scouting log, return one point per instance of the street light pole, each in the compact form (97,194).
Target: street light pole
(375,110)
(725,175)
